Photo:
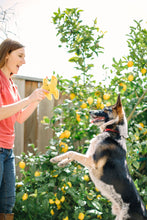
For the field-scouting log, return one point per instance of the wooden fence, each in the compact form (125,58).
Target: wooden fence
(32,131)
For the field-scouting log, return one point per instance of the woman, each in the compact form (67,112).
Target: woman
(12,109)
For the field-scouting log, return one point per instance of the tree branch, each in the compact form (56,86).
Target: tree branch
(139,100)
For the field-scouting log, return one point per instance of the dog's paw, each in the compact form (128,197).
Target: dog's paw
(64,163)
(53,160)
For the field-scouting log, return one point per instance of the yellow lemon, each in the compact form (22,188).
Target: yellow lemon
(121,84)
(130,63)
(142,125)
(52,212)
(90,197)
(62,199)
(86,178)
(99,100)
(72,96)
(69,183)
(136,137)
(90,100)
(57,201)
(51,201)
(65,148)
(62,135)
(78,117)
(84,105)
(124,87)
(102,106)
(37,173)
(22,164)
(108,104)
(130,78)
(25,196)
(81,216)
(66,218)
(106,96)
(143,70)
(67,133)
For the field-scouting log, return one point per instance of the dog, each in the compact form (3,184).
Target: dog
(107,165)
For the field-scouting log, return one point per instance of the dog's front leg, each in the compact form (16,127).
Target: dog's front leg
(64,159)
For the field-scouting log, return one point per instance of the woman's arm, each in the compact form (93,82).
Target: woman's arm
(31,101)
(25,114)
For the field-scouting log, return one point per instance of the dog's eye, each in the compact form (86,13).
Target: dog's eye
(107,109)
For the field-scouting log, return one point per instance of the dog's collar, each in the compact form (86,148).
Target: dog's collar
(107,129)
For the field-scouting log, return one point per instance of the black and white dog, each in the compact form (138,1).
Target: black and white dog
(106,161)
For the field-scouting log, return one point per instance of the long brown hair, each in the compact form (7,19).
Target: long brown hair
(6,47)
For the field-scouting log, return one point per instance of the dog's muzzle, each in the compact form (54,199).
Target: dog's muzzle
(98,116)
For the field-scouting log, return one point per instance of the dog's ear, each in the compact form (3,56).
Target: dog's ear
(118,102)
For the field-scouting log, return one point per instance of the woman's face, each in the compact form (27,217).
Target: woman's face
(14,60)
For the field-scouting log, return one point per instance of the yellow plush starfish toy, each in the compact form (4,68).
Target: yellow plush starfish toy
(51,87)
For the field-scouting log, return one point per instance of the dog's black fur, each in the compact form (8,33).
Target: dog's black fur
(106,161)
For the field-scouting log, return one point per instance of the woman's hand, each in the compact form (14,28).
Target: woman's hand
(38,95)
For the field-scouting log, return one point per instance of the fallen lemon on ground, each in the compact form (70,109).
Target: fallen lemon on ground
(51,87)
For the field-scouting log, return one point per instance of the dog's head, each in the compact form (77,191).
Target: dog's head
(111,116)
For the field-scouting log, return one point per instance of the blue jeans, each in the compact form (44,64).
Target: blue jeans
(7,180)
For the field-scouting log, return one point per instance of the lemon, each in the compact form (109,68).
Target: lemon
(142,125)
(22,164)
(124,87)
(121,84)
(37,173)
(25,196)
(84,105)
(52,212)
(90,100)
(57,201)
(81,216)
(62,135)
(67,133)
(62,199)
(86,178)
(106,96)
(108,104)
(72,96)
(69,183)
(130,78)
(130,63)
(65,148)
(51,201)
(66,218)
(143,70)
(102,106)
(90,197)
(99,100)
(78,117)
